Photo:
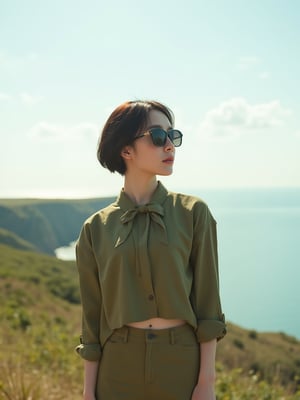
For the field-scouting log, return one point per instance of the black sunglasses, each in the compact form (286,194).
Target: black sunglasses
(159,136)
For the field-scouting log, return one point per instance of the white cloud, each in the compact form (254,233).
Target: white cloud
(248,62)
(29,99)
(25,98)
(264,75)
(236,116)
(86,130)
(252,63)
(9,62)
(4,97)
(45,131)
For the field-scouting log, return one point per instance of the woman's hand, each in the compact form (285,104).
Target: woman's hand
(90,379)
(205,388)
(204,391)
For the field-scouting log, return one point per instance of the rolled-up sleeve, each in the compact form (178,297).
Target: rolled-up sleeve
(91,298)
(205,296)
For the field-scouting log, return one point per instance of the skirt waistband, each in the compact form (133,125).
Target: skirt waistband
(180,334)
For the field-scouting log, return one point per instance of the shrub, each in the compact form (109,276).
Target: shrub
(253,335)
(239,344)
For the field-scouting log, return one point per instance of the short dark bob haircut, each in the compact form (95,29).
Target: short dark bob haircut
(126,122)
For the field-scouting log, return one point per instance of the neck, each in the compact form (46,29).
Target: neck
(140,190)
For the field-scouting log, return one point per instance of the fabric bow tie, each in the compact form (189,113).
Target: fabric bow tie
(152,212)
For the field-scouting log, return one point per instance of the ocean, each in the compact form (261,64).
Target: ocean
(259,256)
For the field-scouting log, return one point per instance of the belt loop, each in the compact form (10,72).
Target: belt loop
(125,338)
(172,336)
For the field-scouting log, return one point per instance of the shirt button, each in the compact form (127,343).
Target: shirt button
(151,297)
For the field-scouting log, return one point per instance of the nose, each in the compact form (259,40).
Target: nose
(169,146)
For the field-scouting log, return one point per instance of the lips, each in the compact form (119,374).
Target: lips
(169,159)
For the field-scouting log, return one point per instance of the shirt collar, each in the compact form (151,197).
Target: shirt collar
(159,196)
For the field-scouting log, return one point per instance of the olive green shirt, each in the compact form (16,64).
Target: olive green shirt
(148,261)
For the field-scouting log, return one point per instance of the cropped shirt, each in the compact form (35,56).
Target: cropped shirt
(137,262)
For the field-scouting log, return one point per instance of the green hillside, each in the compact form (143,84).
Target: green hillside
(40,326)
(13,240)
(50,274)
(45,224)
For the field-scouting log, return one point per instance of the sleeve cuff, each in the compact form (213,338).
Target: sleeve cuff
(90,352)
(211,329)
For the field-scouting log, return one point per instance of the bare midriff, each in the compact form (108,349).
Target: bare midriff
(157,323)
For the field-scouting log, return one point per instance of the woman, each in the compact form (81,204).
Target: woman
(148,272)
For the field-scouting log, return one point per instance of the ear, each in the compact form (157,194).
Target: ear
(126,152)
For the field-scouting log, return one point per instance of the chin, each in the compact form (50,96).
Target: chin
(166,173)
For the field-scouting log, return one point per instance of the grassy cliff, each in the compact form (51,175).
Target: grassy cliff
(40,326)
(45,224)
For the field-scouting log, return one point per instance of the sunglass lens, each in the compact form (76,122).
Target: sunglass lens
(176,137)
(158,136)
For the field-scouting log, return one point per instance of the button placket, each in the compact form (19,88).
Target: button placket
(143,226)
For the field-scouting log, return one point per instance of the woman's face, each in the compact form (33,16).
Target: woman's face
(147,158)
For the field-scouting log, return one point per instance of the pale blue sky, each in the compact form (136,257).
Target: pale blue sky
(228,69)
